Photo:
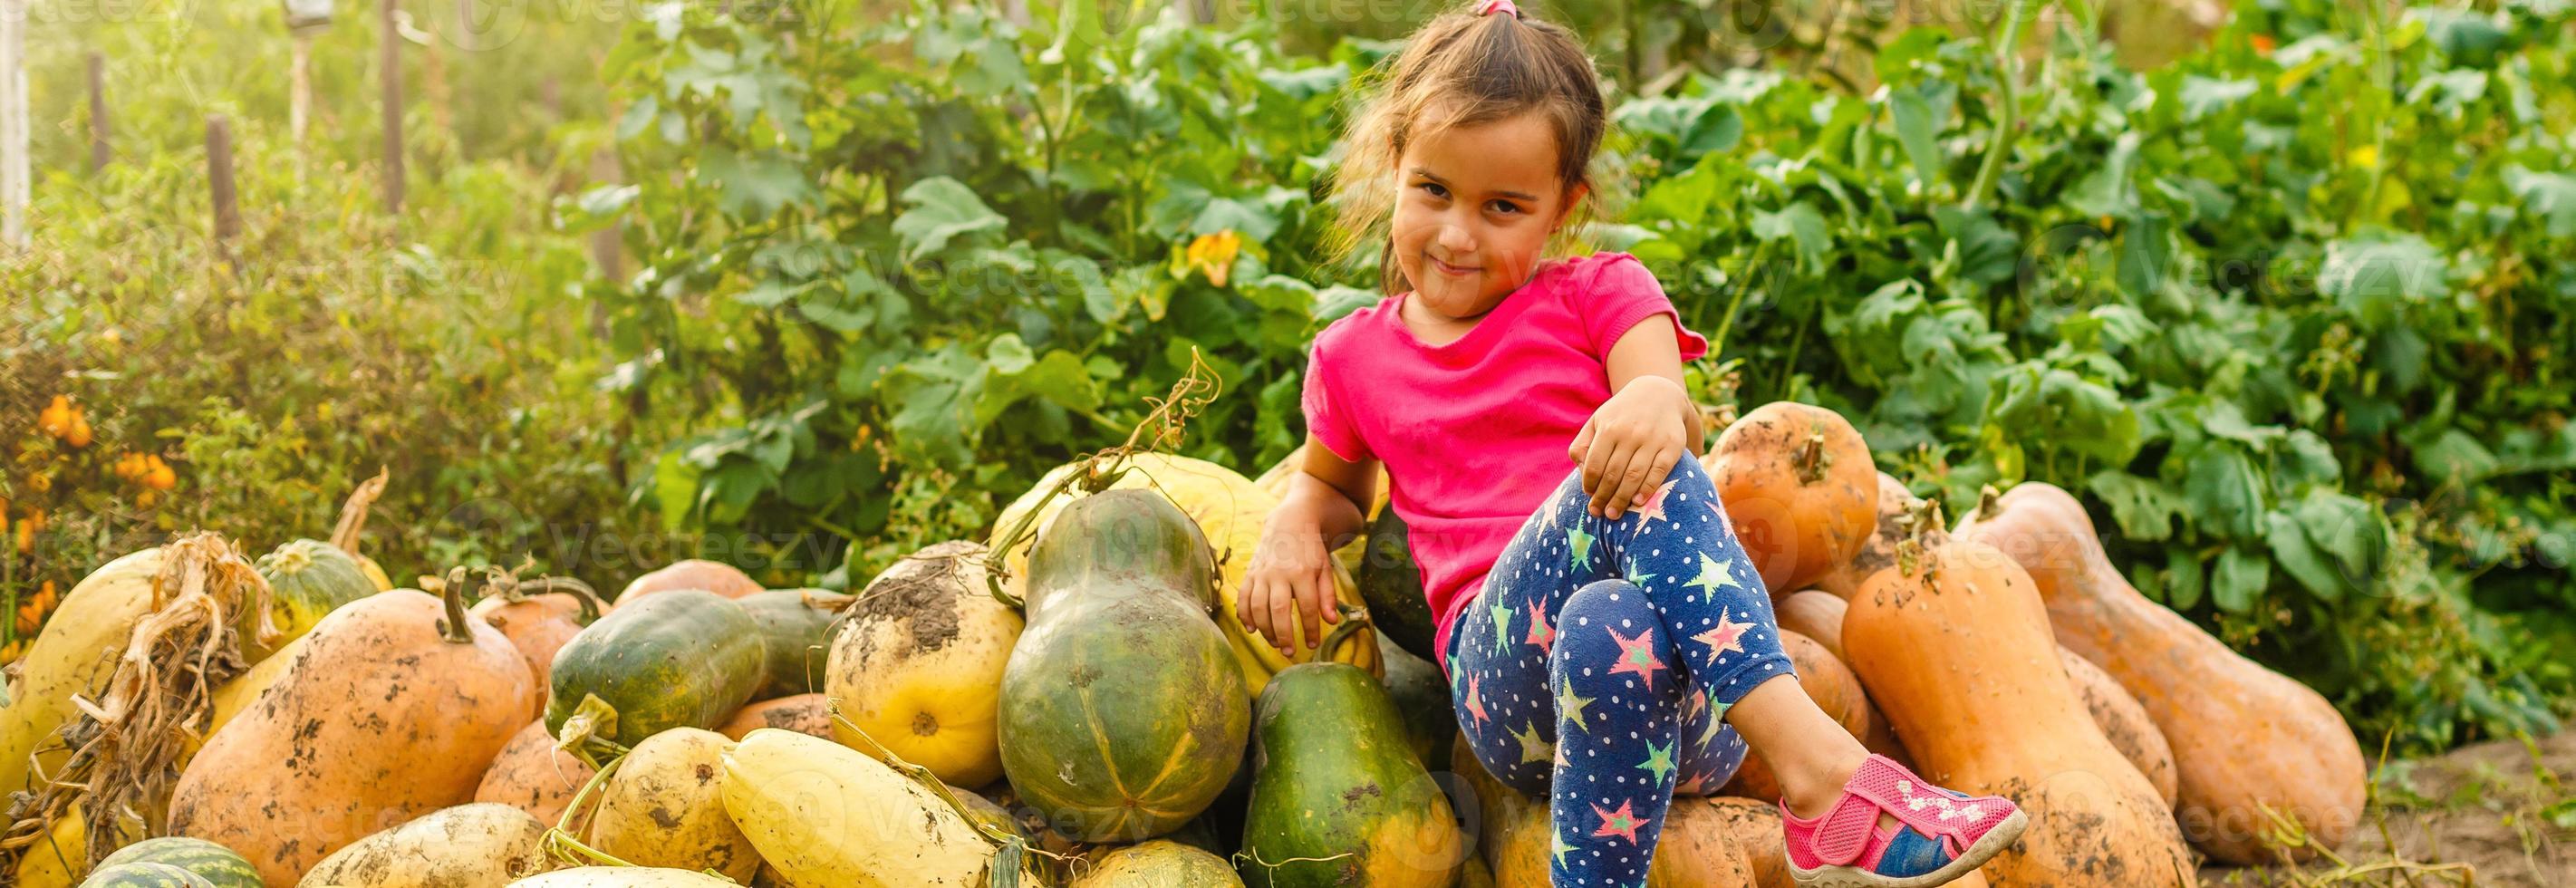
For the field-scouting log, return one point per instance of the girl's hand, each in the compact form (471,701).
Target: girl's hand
(1291,576)
(1632,442)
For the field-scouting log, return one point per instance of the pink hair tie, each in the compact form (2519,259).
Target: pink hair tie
(1494,6)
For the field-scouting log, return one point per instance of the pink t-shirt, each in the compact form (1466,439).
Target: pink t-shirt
(1473,434)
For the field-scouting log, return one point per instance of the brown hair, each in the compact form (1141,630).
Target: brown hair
(1464,69)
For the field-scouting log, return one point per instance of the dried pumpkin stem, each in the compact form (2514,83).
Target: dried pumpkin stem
(1989,503)
(452,628)
(1813,459)
(1354,619)
(353,513)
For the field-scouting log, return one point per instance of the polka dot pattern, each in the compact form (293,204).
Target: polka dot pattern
(1599,661)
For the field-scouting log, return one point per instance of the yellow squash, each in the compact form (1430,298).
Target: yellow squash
(665,807)
(828,816)
(76,651)
(918,666)
(467,845)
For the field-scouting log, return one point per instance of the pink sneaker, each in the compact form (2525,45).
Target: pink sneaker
(1940,834)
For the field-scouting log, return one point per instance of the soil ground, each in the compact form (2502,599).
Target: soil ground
(2493,814)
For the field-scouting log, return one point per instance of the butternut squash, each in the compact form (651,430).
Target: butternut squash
(399,683)
(1836,691)
(2123,721)
(1879,552)
(1955,641)
(2244,738)
(1798,483)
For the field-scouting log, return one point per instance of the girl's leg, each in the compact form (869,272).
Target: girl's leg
(1691,605)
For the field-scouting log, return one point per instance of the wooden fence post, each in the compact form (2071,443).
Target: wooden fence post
(219,174)
(390,35)
(99,153)
(15,186)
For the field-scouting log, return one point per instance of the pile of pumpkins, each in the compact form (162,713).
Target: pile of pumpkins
(1073,703)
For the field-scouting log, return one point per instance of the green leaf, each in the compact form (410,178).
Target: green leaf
(943,209)
(2550,197)
(2203,96)
(2349,530)
(1331,303)
(1057,378)
(2238,581)
(2146,256)
(2051,409)
(2144,508)
(2375,279)
(934,397)
(675,489)
(2291,547)
(2225,491)
(608,200)
(756,186)
(1008,355)
(2107,191)
(2456,458)
(1802,225)
(1915,130)
(2186,578)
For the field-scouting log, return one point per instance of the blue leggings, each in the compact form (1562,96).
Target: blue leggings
(1600,660)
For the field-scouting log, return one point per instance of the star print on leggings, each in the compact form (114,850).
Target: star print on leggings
(1557,687)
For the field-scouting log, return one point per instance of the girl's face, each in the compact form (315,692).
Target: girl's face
(1474,210)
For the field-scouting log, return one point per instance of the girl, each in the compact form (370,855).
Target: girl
(1606,639)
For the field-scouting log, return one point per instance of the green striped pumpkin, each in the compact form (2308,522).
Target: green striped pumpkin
(144,875)
(308,579)
(218,865)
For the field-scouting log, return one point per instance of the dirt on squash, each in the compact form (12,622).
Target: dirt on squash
(921,592)
(2478,815)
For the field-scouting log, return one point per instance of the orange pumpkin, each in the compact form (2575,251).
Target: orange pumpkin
(1879,551)
(532,775)
(2123,721)
(1836,691)
(809,714)
(1799,486)
(539,618)
(1700,846)
(1955,643)
(394,706)
(2244,738)
(695,573)
(1816,615)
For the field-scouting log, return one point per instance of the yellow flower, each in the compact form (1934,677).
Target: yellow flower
(1214,254)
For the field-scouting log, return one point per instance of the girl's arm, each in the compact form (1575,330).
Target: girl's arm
(1647,426)
(1291,575)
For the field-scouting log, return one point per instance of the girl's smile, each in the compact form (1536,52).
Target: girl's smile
(1475,208)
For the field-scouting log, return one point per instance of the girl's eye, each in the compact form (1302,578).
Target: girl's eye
(1434,189)
(1506,207)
